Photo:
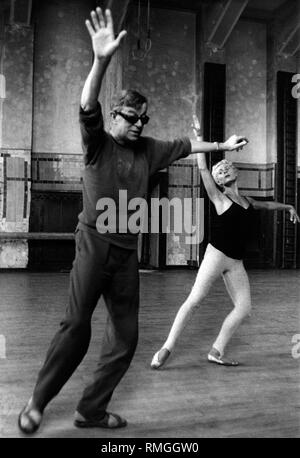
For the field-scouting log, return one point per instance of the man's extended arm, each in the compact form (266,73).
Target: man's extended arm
(234,142)
(104,45)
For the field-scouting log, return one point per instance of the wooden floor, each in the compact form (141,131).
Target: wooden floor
(190,397)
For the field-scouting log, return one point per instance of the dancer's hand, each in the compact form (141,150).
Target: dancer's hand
(197,128)
(293,216)
(102,34)
(234,143)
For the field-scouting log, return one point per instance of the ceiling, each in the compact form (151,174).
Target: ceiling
(285,11)
(266,5)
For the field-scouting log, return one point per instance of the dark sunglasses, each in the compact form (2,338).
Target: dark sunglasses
(133,118)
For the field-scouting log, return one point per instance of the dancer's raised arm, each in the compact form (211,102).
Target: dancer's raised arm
(215,195)
(234,142)
(104,45)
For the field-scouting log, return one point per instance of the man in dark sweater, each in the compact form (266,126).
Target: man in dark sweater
(106,261)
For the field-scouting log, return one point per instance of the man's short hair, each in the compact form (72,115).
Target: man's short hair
(129,98)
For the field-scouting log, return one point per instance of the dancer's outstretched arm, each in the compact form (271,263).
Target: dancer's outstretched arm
(104,43)
(273,206)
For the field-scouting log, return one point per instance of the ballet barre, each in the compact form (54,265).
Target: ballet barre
(36,235)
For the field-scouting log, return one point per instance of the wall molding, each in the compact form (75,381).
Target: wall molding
(56,172)
(257,180)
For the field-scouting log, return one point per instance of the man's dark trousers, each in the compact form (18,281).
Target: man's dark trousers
(99,268)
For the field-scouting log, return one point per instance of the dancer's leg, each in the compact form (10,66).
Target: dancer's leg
(211,267)
(237,284)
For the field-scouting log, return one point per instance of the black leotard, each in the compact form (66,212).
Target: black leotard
(232,230)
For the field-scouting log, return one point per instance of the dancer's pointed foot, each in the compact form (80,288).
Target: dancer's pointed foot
(160,358)
(30,418)
(214,356)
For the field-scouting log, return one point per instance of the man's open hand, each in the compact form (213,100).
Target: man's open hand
(101,31)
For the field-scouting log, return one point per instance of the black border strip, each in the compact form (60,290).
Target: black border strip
(25,189)
(5,184)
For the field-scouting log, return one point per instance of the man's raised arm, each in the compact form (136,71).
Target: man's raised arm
(104,44)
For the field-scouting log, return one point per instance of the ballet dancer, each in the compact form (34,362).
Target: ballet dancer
(223,257)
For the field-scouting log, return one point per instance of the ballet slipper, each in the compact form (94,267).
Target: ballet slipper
(160,358)
(214,356)
(108,421)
